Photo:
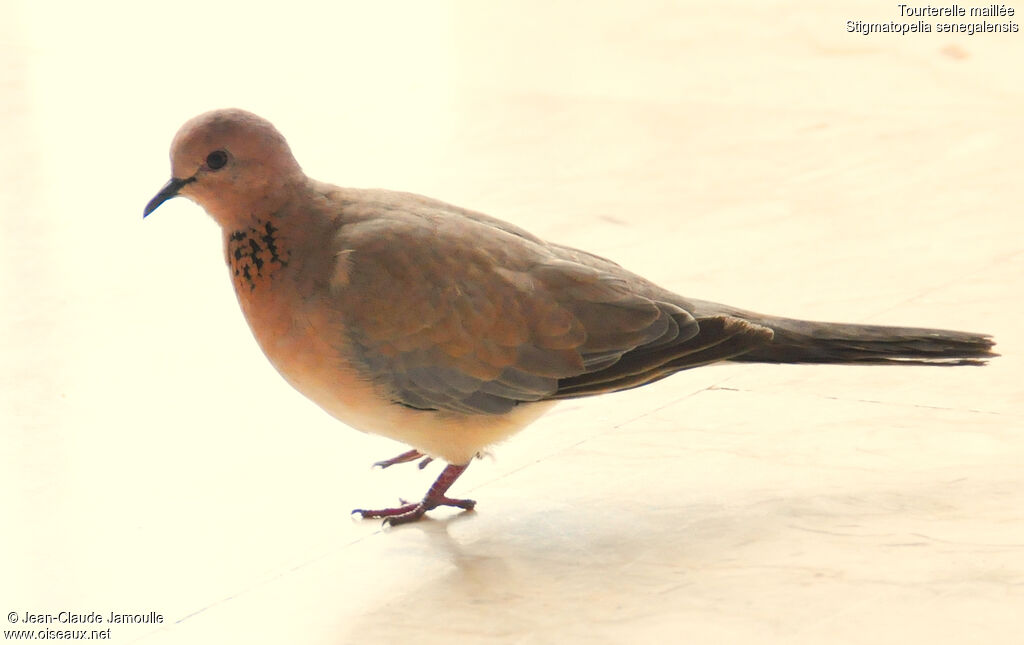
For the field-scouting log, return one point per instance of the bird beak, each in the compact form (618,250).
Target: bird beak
(169,190)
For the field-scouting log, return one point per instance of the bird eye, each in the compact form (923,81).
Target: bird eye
(216,159)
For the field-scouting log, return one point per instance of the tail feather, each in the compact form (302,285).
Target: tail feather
(801,341)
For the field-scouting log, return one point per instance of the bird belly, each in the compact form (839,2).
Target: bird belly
(308,350)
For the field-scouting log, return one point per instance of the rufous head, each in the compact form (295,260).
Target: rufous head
(232,163)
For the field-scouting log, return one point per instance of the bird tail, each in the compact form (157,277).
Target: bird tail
(802,341)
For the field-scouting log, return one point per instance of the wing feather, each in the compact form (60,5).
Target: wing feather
(452,312)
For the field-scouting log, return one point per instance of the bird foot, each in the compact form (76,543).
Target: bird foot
(435,497)
(413,512)
(403,458)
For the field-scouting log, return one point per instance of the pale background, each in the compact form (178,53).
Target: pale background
(748,152)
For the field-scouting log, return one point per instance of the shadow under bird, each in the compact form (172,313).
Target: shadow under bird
(449,330)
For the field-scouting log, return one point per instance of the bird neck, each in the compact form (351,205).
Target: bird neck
(256,251)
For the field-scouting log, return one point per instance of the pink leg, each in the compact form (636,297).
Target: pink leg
(409,455)
(435,497)
(404,457)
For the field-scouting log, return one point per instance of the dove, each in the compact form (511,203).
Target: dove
(449,330)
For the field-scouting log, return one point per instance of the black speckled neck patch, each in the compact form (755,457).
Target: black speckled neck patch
(255,253)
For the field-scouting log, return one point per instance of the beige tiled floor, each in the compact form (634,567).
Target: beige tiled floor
(752,153)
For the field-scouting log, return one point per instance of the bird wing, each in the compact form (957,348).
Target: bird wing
(450,312)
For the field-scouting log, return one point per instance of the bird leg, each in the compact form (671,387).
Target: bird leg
(409,455)
(435,497)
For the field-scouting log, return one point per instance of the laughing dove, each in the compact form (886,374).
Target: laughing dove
(449,330)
